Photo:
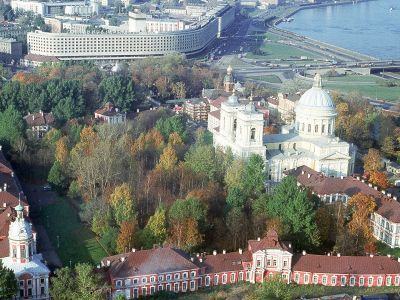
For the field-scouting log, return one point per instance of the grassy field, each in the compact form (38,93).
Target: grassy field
(268,78)
(384,249)
(280,51)
(354,78)
(77,242)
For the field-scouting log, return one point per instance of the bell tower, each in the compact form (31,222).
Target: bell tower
(229,83)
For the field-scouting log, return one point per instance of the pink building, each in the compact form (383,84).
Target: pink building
(144,272)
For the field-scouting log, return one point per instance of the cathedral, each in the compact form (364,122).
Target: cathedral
(311,141)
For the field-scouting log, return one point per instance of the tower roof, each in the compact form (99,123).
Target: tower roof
(316,97)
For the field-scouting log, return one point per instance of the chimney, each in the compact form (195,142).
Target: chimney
(33,117)
(383,192)
(108,263)
(201,259)
(389,256)
(329,254)
(1,147)
(4,204)
(398,259)
(389,195)
(308,175)
(122,258)
(240,251)
(304,252)
(215,252)
(116,110)
(12,173)
(5,187)
(341,177)
(370,184)
(358,177)
(224,251)
(133,250)
(8,215)
(362,180)
(41,112)
(338,255)
(258,239)
(375,188)
(395,198)
(302,172)
(198,254)
(371,255)
(290,245)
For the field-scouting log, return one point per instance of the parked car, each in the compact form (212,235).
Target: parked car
(47,187)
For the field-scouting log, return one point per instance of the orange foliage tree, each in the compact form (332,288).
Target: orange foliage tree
(126,237)
(379,179)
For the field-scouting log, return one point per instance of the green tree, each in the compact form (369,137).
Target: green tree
(62,284)
(11,127)
(201,159)
(292,206)
(235,198)
(254,176)
(56,177)
(8,283)
(172,124)
(109,239)
(118,90)
(157,225)
(88,283)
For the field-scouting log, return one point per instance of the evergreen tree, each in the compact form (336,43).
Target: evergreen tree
(8,283)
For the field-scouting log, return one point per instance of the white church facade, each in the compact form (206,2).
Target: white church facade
(311,141)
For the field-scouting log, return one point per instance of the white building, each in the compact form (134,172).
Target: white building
(85,8)
(109,114)
(32,274)
(311,142)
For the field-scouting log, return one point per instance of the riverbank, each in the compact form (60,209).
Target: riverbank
(340,53)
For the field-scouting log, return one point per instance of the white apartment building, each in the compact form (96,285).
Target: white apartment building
(67,46)
(53,8)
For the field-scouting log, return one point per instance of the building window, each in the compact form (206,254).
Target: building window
(184,286)
(224,276)
(247,276)
(207,282)
(306,278)
(176,276)
(343,280)
(268,262)
(309,128)
(144,291)
(333,280)
(233,277)
(324,279)
(21,283)
(152,279)
(315,279)
(118,283)
(169,277)
(352,281)
(316,128)
(216,280)
(160,277)
(176,287)
(192,285)
(274,262)
(285,263)
(193,274)
(397,280)
(323,128)
(185,275)
(370,281)
(152,290)
(168,287)
(253,134)
(388,281)
(144,280)
(160,288)
(259,263)
(135,281)
(361,281)
(302,126)
(379,281)
(329,128)
(297,277)
(240,276)
(234,124)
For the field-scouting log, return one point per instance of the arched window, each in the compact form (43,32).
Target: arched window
(316,128)
(234,124)
(309,128)
(253,134)
(323,128)
(329,128)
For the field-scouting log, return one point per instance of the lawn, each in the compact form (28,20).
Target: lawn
(77,242)
(268,78)
(370,91)
(280,51)
(384,249)
(355,78)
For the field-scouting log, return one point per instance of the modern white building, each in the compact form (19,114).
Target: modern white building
(108,46)
(312,141)
(84,8)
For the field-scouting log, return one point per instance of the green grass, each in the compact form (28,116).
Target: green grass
(280,51)
(77,242)
(384,249)
(355,78)
(272,37)
(268,78)
(371,91)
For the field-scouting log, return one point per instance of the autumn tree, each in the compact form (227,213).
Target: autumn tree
(122,204)
(168,159)
(372,161)
(179,90)
(126,236)
(61,151)
(379,179)
(235,174)
(157,226)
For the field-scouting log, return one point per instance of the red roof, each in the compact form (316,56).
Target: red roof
(232,261)
(323,185)
(108,110)
(40,58)
(39,119)
(345,264)
(270,241)
(216,113)
(217,102)
(146,262)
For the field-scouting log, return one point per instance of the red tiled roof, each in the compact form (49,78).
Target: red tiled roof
(40,58)
(270,241)
(323,185)
(217,102)
(39,119)
(108,110)
(231,261)
(216,113)
(345,264)
(146,262)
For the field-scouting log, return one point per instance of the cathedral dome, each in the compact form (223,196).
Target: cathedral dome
(316,98)
(233,99)
(20,229)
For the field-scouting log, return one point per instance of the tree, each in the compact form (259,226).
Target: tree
(126,237)
(61,151)
(109,239)
(88,284)
(157,225)
(179,90)
(292,206)
(118,90)
(8,283)
(379,179)
(201,159)
(11,127)
(172,124)
(168,159)
(235,222)
(235,198)
(122,203)
(235,174)
(56,177)
(372,161)
(254,176)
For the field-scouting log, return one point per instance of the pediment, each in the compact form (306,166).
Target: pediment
(336,156)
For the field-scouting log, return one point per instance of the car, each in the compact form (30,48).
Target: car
(47,187)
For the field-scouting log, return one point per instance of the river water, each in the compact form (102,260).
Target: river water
(366,27)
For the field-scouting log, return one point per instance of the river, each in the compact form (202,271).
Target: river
(367,27)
